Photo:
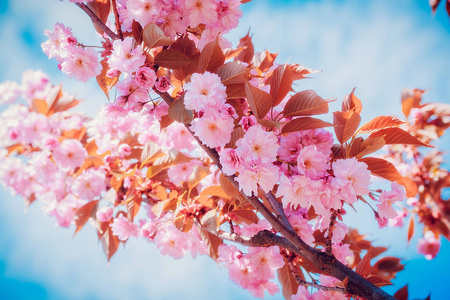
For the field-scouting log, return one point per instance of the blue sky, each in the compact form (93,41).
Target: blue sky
(380,47)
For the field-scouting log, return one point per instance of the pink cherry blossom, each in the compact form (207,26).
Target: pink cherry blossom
(104,214)
(58,42)
(172,23)
(162,84)
(352,177)
(290,146)
(81,64)
(343,253)
(200,11)
(10,91)
(124,229)
(252,229)
(204,91)
(89,184)
(339,232)
(429,245)
(213,131)
(145,77)
(230,161)
(124,57)
(144,11)
(312,162)
(387,199)
(228,13)
(265,176)
(172,242)
(265,261)
(295,191)
(258,145)
(302,294)
(70,154)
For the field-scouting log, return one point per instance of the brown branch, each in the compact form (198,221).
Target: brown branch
(357,285)
(95,19)
(278,208)
(328,244)
(116,17)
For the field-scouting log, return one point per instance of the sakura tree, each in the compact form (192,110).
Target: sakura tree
(206,149)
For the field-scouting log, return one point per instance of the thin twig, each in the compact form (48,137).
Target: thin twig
(97,21)
(116,17)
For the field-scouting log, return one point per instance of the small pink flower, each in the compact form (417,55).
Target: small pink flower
(70,153)
(104,214)
(429,245)
(387,199)
(124,150)
(145,77)
(302,294)
(124,57)
(162,84)
(89,185)
(312,162)
(81,64)
(204,91)
(230,160)
(124,229)
(258,145)
(214,130)
(352,177)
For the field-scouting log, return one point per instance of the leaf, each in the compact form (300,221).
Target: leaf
(363,267)
(305,103)
(153,36)
(229,188)
(300,71)
(214,190)
(101,9)
(402,294)
(437,109)
(104,82)
(266,60)
(345,124)
(197,175)
(110,243)
(83,214)
(211,57)
(411,187)
(351,102)
(378,281)
(179,113)
(389,265)
(151,152)
(39,106)
(136,29)
(57,102)
(172,59)
(411,99)
(237,133)
(260,102)
(235,91)
(133,206)
(232,53)
(247,54)
(304,123)
(380,122)
(170,159)
(247,216)
(280,83)
(434,4)
(233,73)
(287,281)
(361,147)
(212,242)
(185,45)
(209,221)
(165,205)
(382,168)
(398,136)
(410,229)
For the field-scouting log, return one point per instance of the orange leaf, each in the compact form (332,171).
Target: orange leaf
(233,73)
(361,147)
(211,57)
(83,214)
(363,267)
(237,133)
(411,187)
(232,53)
(351,102)
(247,54)
(378,281)
(110,243)
(345,124)
(101,9)
(411,99)
(287,281)
(172,59)
(380,122)
(104,82)
(398,136)
(244,215)
(300,71)
(179,113)
(153,36)
(229,188)
(305,103)
(410,229)
(214,190)
(304,123)
(212,242)
(170,159)
(382,168)
(39,106)
(280,83)
(133,207)
(260,102)
(266,60)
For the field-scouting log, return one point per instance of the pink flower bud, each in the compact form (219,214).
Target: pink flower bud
(145,77)
(112,73)
(104,214)
(162,84)
(72,41)
(124,150)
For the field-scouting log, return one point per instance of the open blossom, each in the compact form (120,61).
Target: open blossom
(258,145)
(58,42)
(104,214)
(172,242)
(70,153)
(204,91)
(387,199)
(295,191)
(162,84)
(144,11)
(213,131)
(200,11)
(89,184)
(302,294)
(265,176)
(81,64)
(352,177)
(124,57)
(429,245)
(145,77)
(312,162)
(228,14)
(230,161)
(264,261)
(124,229)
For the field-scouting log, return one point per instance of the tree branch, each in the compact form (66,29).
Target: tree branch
(116,17)
(97,21)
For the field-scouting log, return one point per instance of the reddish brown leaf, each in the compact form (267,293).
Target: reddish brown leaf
(402,294)
(361,147)
(212,241)
(211,57)
(104,82)
(179,113)
(389,265)
(300,71)
(280,83)
(229,188)
(398,136)
(410,186)
(101,9)
(287,281)
(244,215)
(232,53)
(136,29)
(410,229)
(83,214)
(351,102)
(237,133)
(260,102)
(247,54)
(305,103)
(265,60)
(57,102)
(110,243)
(345,124)
(153,36)
(378,281)
(411,99)
(209,221)
(434,4)
(378,123)
(236,91)
(382,168)
(304,123)
(233,73)
(363,267)
(172,59)
(186,46)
